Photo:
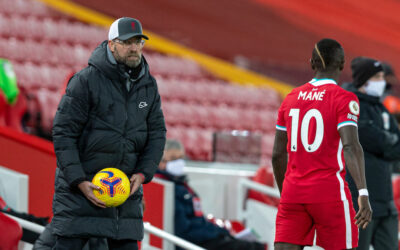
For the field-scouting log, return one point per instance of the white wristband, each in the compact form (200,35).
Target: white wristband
(363,192)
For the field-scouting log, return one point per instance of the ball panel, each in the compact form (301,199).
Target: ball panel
(114,185)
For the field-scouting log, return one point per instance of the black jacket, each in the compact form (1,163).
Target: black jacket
(378,135)
(99,124)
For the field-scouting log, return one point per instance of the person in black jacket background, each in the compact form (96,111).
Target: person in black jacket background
(110,116)
(189,221)
(379,137)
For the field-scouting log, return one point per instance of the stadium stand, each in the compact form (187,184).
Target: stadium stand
(46,46)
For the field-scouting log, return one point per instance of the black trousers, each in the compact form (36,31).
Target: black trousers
(66,243)
(381,233)
(227,242)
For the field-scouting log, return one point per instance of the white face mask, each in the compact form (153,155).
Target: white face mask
(176,167)
(375,88)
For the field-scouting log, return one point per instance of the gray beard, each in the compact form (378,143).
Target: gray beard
(130,64)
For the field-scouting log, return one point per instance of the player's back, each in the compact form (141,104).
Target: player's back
(312,114)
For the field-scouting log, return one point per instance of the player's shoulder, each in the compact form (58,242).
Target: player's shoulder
(341,93)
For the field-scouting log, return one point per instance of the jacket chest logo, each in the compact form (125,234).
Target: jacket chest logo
(142,105)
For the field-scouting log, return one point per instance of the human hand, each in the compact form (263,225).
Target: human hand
(136,180)
(364,215)
(87,188)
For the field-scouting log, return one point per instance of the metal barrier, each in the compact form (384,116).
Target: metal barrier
(149,229)
(244,185)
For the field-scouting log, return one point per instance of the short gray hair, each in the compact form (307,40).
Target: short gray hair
(173,144)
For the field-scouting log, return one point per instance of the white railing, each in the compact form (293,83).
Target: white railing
(27,224)
(244,185)
(149,229)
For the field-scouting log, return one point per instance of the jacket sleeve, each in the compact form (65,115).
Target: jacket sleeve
(69,122)
(393,153)
(46,240)
(150,157)
(372,138)
(192,228)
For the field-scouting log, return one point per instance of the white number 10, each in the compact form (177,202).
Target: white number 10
(305,123)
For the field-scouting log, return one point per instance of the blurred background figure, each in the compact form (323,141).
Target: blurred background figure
(12,103)
(379,137)
(8,82)
(190,222)
(390,100)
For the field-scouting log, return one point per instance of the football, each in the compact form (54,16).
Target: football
(114,186)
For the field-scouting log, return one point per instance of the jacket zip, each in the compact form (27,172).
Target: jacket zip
(116,234)
(126,122)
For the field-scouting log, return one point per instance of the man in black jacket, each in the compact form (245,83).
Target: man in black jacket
(379,137)
(110,116)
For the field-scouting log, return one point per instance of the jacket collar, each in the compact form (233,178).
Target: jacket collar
(367,98)
(103,59)
(110,56)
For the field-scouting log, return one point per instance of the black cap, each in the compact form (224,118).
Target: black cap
(364,68)
(388,69)
(125,28)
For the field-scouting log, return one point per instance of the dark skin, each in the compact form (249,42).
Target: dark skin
(352,150)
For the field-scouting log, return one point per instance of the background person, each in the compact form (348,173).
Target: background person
(390,100)
(379,137)
(190,223)
(8,82)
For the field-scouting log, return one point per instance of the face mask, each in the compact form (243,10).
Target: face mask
(176,167)
(375,88)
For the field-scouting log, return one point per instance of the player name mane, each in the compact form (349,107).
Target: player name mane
(311,96)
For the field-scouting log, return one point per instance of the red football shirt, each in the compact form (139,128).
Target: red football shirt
(312,115)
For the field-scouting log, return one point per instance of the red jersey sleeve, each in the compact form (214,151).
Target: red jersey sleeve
(348,110)
(281,123)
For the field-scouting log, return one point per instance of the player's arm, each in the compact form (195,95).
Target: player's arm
(354,158)
(280,157)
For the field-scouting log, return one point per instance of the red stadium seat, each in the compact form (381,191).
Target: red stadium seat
(396,192)
(265,176)
(27,8)
(48,103)
(31,76)
(15,113)
(11,233)
(45,46)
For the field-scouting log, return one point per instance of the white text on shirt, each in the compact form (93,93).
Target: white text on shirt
(311,96)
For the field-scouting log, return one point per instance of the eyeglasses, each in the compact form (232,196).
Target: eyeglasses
(139,43)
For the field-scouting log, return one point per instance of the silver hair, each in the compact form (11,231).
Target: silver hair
(173,144)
